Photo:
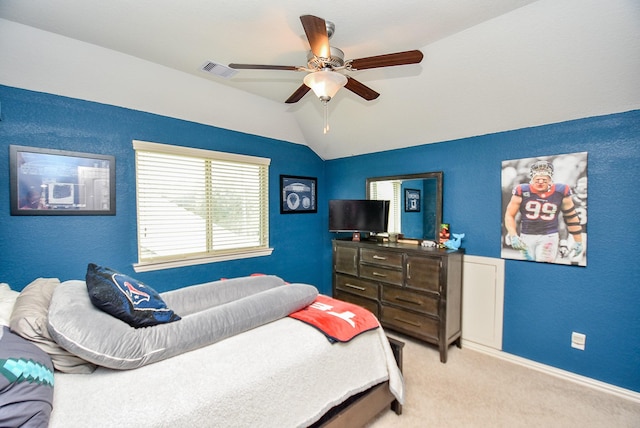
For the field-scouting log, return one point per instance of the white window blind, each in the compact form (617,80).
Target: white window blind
(198,206)
(389,190)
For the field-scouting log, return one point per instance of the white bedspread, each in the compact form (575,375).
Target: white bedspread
(282,374)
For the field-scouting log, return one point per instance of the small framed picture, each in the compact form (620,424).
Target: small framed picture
(298,195)
(412,200)
(59,182)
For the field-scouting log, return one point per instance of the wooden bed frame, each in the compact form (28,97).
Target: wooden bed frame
(362,408)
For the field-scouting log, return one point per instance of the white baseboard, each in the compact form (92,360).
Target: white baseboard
(563,374)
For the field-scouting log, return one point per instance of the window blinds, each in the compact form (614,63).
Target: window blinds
(198,203)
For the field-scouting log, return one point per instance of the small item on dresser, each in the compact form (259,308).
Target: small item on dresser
(454,244)
(444,233)
(409,241)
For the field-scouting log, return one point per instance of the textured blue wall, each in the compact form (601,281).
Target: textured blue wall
(544,303)
(61,246)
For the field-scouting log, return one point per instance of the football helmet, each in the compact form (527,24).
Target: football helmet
(541,168)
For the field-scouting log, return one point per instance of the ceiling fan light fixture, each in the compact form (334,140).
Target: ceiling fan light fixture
(324,83)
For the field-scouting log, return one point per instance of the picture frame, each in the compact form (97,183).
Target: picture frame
(60,182)
(528,199)
(412,200)
(298,195)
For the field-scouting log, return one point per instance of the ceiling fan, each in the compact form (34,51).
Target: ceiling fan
(324,63)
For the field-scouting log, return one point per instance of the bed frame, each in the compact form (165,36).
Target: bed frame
(362,408)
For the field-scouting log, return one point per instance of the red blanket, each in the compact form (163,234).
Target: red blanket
(339,321)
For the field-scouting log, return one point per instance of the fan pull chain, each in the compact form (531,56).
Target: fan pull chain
(326,116)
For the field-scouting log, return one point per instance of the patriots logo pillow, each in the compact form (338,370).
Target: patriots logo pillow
(125,298)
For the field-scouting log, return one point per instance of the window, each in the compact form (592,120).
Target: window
(199,206)
(389,190)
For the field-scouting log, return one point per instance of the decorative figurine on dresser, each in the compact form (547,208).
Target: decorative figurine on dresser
(413,289)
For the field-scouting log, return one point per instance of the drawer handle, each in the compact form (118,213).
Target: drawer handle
(414,302)
(377,257)
(415,324)
(381,275)
(355,286)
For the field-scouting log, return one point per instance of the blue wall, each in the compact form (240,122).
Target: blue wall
(544,303)
(61,246)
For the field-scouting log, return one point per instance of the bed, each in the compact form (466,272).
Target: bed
(283,373)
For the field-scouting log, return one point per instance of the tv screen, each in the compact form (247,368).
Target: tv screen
(358,215)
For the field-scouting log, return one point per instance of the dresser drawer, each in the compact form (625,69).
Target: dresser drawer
(345,259)
(423,273)
(416,325)
(371,305)
(380,273)
(357,286)
(410,300)
(381,257)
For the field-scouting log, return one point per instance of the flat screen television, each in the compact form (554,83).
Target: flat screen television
(358,215)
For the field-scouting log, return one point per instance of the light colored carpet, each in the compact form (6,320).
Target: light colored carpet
(477,390)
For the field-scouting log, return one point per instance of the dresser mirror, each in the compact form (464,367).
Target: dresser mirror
(416,203)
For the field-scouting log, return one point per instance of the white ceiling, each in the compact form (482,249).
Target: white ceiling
(489,66)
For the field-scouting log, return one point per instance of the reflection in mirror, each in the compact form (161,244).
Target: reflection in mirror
(416,203)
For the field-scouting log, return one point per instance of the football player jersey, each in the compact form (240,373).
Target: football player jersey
(539,211)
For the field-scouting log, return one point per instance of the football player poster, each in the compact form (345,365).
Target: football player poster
(544,209)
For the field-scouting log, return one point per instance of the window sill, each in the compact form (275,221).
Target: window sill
(151,266)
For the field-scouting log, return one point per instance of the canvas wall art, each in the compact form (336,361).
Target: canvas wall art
(544,209)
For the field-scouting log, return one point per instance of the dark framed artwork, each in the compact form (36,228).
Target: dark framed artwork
(544,209)
(60,182)
(412,200)
(298,195)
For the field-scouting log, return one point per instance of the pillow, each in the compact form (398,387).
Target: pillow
(29,320)
(26,382)
(231,307)
(7,301)
(127,299)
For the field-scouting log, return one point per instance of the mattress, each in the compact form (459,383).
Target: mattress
(282,374)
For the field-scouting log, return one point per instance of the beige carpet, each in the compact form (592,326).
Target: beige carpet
(478,390)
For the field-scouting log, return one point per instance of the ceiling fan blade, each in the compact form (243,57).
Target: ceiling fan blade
(362,90)
(263,67)
(298,94)
(316,30)
(398,58)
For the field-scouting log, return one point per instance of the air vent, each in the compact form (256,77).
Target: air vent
(218,69)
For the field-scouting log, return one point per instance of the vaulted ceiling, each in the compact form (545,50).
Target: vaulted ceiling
(488,66)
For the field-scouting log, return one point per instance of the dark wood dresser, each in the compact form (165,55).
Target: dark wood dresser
(413,290)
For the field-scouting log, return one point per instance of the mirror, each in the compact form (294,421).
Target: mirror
(416,203)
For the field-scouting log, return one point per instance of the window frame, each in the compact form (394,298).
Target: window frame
(180,260)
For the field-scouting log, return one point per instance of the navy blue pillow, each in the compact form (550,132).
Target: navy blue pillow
(125,298)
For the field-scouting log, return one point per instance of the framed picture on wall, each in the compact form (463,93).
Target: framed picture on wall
(412,200)
(544,209)
(298,195)
(59,182)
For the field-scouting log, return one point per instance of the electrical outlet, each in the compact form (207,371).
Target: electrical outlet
(578,340)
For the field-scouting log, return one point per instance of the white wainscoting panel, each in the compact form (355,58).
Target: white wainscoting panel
(482,301)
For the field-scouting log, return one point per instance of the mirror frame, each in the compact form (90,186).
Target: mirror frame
(438,175)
